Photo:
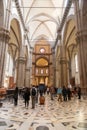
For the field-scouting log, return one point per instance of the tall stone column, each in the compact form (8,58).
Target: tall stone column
(57,73)
(4,38)
(27,77)
(21,72)
(27,72)
(63,66)
(54,67)
(30,65)
(57,85)
(81,21)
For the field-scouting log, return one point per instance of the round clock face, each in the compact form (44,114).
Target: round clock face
(42,50)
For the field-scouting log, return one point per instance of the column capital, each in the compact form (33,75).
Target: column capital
(28,69)
(63,60)
(4,34)
(81,36)
(22,60)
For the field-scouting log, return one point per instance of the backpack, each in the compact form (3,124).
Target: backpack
(33,92)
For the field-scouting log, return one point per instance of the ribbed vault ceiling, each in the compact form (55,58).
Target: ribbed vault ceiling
(42,18)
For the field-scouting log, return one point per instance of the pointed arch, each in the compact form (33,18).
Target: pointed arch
(45,15)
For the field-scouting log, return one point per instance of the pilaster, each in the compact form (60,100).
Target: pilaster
(27,77)
(81,22)
(82,42)
(54,67)
(27,72)
(4,38)
(63,66)
(21,72)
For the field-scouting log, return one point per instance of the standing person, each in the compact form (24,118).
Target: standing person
(37,94)
(41,89)
(16,96)
(27,97)
(33,96)
(64,92)
(69,93)
(59,92)
(79,93)
(52,91)
(48,90)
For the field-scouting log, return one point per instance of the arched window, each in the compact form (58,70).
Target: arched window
(76,63)
(41,71)
(46,71)
(42,50)
(36,71)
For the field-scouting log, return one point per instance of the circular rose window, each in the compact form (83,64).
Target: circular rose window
(42,50)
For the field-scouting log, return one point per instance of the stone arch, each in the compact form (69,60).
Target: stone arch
(69,33)
(15,34)
(43,37)
(71,18)
(13,51)
(44,58)
(71,48)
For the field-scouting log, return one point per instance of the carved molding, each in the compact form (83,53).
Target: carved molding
(4,34)
(69,3)
(22,60)
(27,69)
(20,13)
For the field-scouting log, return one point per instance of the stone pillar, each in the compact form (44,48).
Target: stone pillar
(57,85)
(21,72)
(57,73)
(82,40)
(30,65)
(63,66)
(4,38)
(81,22)
(27,77)
(27,73)
(54,67)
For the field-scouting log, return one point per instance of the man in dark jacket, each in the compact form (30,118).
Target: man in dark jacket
(15,96)
(27,97)
(64,92)
(33,96)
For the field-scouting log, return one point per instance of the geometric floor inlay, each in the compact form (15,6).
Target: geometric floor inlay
(3,123)
(82,125)
(54,115)
(42,128)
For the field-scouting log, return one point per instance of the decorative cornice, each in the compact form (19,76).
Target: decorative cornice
(22,20)
(20,14)
(36,54)
(4,34)
(69,3)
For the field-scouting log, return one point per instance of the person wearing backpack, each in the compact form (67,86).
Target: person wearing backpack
(33,96)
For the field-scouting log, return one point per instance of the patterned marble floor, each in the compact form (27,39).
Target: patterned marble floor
(54,115)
